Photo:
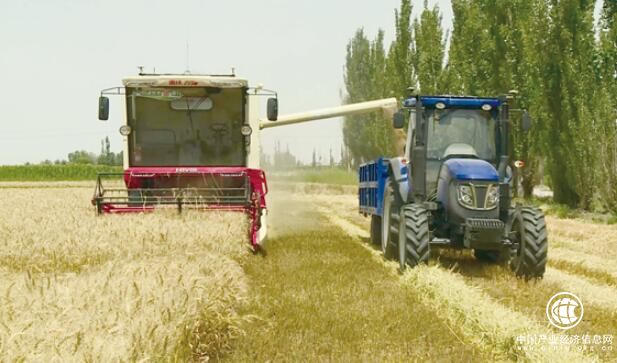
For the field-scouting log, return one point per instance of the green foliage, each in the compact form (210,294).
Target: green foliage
(605,98)
(46,172)
(369,135)
(430,49)
(82,157)
(400,70)
(565,73)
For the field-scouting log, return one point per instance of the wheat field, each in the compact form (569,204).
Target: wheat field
(77,287)
(166,287)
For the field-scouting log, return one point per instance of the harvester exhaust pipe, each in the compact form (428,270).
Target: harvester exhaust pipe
(388,106)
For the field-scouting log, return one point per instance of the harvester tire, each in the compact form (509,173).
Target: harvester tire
(530,233)
(414,247)
(376,230)
(390,222)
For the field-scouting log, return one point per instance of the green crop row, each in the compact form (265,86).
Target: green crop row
(54,172)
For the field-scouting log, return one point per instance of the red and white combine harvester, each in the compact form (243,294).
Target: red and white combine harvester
(193,141)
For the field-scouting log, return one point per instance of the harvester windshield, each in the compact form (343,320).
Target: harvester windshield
(186,126)
(453,131)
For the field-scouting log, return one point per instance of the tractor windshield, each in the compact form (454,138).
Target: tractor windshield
(461,131)
(186,126)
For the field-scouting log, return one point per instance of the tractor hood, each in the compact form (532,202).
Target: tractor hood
(470,169)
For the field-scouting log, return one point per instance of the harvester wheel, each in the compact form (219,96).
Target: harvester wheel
(390,222)
(530,234)
(414,248)
(376,230)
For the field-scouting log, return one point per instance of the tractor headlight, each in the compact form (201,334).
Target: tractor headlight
(492,197)
(465,195)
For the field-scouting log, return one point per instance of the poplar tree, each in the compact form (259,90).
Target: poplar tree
(430,44)
(367,136)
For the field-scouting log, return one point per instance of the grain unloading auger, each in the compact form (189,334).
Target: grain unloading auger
(193,142)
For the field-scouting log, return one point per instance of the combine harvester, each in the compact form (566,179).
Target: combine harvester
(193,141)
(453,187)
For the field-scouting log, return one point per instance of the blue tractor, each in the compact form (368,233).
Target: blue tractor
(452,188)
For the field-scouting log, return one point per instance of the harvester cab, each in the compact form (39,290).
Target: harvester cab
(452,187)
(193,142)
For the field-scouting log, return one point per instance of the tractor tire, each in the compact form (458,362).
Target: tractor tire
(390,222)
(376,230)
(529,259)
(414,247)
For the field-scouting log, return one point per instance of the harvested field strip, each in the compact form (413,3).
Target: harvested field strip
(318,296)
(348,227)
(472,315)
(583,236)
(344,206)
(481,320)
(529,298)
(597,268)
(597,294)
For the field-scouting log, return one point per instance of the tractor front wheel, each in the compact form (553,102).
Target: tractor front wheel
(376,230)
(389,222)
(414,236)
(529,233)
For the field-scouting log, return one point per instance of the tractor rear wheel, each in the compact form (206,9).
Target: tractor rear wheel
(389,222)
(530,234)
(414,238)
(376,230)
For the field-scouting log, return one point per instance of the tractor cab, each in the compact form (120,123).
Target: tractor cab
(454,128)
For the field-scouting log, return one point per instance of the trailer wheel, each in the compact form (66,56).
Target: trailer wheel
(376,230)
(529,232)
(413,243)
(389,222)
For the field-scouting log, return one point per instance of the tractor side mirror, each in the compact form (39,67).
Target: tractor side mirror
(103,108)
(526,125)
(398,120)
(273,109)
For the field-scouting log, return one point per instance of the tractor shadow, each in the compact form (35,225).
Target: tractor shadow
(367,242)
(464,263)
(456,260)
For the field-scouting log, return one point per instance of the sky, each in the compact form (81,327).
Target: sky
(56,56)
